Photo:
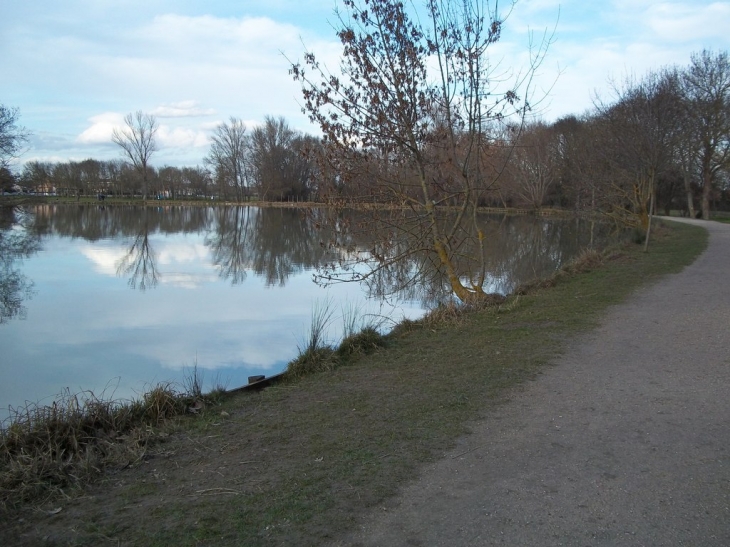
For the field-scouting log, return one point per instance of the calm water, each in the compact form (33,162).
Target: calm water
(115,299)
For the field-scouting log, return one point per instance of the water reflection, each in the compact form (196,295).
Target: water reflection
(16,243)
(274,244)
(230,240)
(229,288)
(139,262)
(517,249)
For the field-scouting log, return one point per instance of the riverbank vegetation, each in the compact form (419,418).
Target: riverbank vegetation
(296,463)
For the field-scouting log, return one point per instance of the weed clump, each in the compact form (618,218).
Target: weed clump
(362,343)
(321,359)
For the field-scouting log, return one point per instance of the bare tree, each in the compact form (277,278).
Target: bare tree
(13,137)
(642,135)
(279,164)
(137,140)
(706,85)
(171,181)
(413,116)
(228,155)
(535,163)
(38,176)
(196,180)
(579,165)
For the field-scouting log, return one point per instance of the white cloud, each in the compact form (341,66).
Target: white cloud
(182,109)
(101,128)
(181,253)
(235,64)
(168,136)
(181,137)
(684,22)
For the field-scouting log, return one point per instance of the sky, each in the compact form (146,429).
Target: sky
(75,68)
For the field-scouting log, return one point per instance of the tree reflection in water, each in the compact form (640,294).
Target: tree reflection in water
(16,243)
(229,242)
(139,262)
(273,243)
(278,243)
(517,249)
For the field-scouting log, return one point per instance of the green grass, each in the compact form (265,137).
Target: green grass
(720,216)
(296,464)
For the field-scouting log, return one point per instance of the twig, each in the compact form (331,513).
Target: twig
(470,450)
(217,490)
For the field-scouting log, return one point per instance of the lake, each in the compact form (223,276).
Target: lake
(115,299)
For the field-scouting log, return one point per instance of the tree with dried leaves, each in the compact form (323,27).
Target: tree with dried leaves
(138,143)
(412,118)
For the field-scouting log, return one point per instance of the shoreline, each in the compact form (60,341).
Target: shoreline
(372,422)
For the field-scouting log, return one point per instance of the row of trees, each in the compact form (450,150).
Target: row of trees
(113,177)
(272,162)
(663,139)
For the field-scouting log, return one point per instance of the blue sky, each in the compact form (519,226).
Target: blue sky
(76,67)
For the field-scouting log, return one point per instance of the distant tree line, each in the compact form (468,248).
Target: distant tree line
(661,141)
(272,162)
(114,178)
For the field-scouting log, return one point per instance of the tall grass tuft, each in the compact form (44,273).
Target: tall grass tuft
(193,381)
(351,318)
(322,313)
(315,354)
(360,336)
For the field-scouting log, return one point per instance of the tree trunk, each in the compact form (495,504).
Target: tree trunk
(706,191)
(651,215)
(690,197)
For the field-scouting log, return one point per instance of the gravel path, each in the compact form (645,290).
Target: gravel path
(625,442)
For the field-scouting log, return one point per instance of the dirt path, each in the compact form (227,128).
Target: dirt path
(626,441)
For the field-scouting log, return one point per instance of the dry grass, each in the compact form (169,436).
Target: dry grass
(454,312)
(362,343)
(586,261)
(45,449)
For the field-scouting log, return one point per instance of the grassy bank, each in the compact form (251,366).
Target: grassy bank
(296,463)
